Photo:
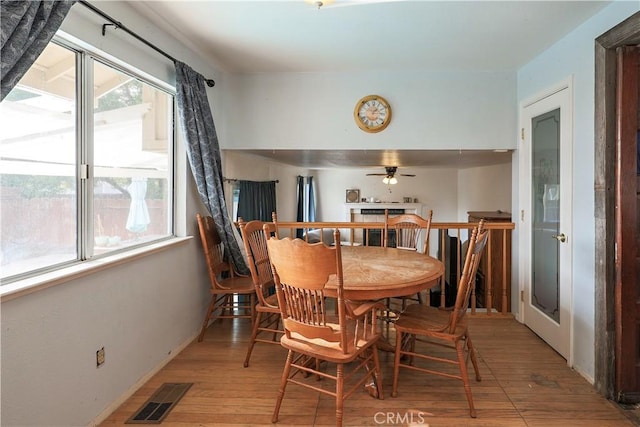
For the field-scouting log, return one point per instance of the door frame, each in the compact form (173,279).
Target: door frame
(625,33)
(566,209)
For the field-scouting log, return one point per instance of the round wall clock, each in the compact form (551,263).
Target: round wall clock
(372,113)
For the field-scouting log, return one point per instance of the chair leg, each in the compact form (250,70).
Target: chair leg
(318,376)
(277,326)
(207,317)
(465,376)
(472,355)
(396,363)
(283,386)
(252,341)
(339,394)
(377,373)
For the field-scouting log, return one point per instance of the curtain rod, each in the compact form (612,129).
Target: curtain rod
(118,25)
(236,180)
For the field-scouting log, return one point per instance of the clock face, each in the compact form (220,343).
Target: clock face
(372,113)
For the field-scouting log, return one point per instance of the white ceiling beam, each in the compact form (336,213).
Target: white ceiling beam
(110,84)
(60,68)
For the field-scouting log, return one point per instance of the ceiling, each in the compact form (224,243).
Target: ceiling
(242,36)
(348,35)
(323,159)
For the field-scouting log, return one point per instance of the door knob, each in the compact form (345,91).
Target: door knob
(560,237)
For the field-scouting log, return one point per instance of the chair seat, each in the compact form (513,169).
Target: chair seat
(326,350)
(235,285)
(272,300)
(272,307)
(419,319)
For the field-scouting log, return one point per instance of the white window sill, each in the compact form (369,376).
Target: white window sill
(53,278)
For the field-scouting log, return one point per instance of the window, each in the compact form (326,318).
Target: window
(86,157)
(235,191)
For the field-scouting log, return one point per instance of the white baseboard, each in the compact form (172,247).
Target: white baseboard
(142,381)
(584,375)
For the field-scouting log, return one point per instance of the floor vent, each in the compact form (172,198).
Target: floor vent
(159,404)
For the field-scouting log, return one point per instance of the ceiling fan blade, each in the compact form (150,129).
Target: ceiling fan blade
(391,171)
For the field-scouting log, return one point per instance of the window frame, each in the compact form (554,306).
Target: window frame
(85,58)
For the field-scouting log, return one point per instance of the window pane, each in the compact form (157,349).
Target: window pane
(38,206)
(133,140)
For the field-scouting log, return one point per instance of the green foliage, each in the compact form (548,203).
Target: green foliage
(32,186)
(156,188)
(124,95)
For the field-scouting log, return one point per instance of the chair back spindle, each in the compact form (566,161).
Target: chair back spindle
(213,251)
(255,245)
(477,243)
(301,272)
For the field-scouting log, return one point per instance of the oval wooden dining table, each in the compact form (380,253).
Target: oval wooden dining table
(373,272)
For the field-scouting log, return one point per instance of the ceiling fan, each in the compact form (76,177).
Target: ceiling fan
(390,175)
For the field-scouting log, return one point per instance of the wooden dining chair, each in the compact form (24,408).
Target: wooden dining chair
(404,231)
(312,335)
(232,296)
(408,232)
(267,320)
(441,327)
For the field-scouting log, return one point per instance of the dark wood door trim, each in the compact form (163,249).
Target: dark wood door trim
(627,387)
(625,33)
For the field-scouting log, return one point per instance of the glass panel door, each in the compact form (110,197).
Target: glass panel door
(545,178)
(546,218)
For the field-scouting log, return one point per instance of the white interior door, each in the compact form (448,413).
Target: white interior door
(546,199)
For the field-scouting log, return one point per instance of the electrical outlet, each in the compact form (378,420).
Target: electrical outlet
(100,357)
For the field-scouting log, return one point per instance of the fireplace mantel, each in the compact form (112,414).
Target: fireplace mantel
(353,210)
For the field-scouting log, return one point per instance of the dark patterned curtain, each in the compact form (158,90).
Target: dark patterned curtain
(300,205)
(27,27)
(204,155)
(257,200)
(311,203)
(306,209)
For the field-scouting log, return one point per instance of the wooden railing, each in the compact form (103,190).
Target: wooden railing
(356,233)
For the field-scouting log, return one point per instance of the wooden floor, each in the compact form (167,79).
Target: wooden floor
(524,383)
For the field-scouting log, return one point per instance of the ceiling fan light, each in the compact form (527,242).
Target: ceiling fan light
(319,3)
(393,180)
(386,180)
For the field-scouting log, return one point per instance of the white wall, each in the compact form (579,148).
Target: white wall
(430,110)
(450,192)
(485,188)
(142,311)
(435,188)
(574,56)
(238,165)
